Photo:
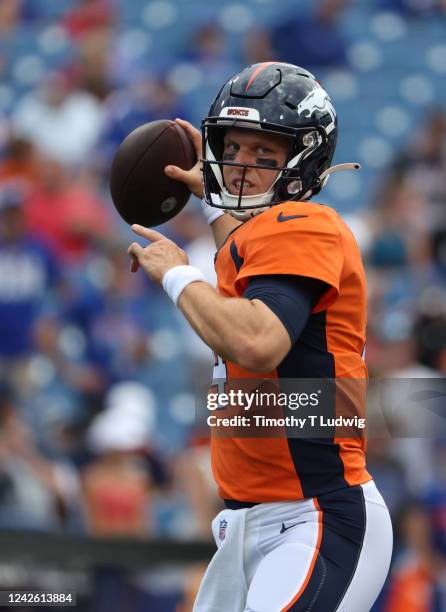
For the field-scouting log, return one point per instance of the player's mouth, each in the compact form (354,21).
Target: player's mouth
(236,184)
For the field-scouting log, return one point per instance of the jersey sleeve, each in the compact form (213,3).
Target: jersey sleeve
(307,246)
(290,298)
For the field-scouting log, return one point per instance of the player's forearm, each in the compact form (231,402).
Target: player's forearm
(231,327)
(244,331)
(221,228)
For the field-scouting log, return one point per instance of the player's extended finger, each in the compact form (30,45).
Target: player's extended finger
(177,174)
(147,233)
(193,133)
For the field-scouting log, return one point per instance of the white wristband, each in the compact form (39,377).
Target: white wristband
(176,280)
(210,212)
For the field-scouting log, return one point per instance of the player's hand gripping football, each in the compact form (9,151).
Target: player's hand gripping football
(193,177)
(156,258)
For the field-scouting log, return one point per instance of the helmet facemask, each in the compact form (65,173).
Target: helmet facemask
(290,183)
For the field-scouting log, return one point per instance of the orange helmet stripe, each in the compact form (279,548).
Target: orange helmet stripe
(257,71)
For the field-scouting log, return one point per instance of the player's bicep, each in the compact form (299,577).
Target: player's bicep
(290,298)
(275,336)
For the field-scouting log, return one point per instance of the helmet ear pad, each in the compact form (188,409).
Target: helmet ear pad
(305,174)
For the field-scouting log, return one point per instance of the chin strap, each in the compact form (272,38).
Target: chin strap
(338,168)
(326,175)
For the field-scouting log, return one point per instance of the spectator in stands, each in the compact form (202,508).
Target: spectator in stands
(207,46)
(416,8)
(415,583)
(423,164)
(258,46)
(4,69)
(401,226)
(193,474)
(410,400)
(430,337)
(438,242)
(145,99)
(118,482)
(29,275)
(63,123)
(20,163)
(399,271)
(33,489)
(61,351)
(388,472)
(93,69)
(72,215)
(434,497)
(87,15)
(10,13)
(192,581)
(312,39)
(109,307)
(208,52)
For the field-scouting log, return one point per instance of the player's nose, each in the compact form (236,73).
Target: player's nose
(244,156)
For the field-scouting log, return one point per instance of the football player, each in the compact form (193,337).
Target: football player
(304,528)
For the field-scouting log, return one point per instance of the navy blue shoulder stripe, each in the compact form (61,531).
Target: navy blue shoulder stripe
(238,261)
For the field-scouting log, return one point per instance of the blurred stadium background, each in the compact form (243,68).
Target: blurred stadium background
(105,483)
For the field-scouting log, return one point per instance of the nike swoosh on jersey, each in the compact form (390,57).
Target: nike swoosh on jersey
(286,528)
(281,217)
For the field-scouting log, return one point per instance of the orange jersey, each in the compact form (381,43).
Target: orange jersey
(412,587)
(310,240)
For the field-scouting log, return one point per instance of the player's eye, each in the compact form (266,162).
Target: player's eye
(230,151)
(263,151)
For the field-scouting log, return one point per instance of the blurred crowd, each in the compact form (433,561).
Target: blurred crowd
(99,375)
